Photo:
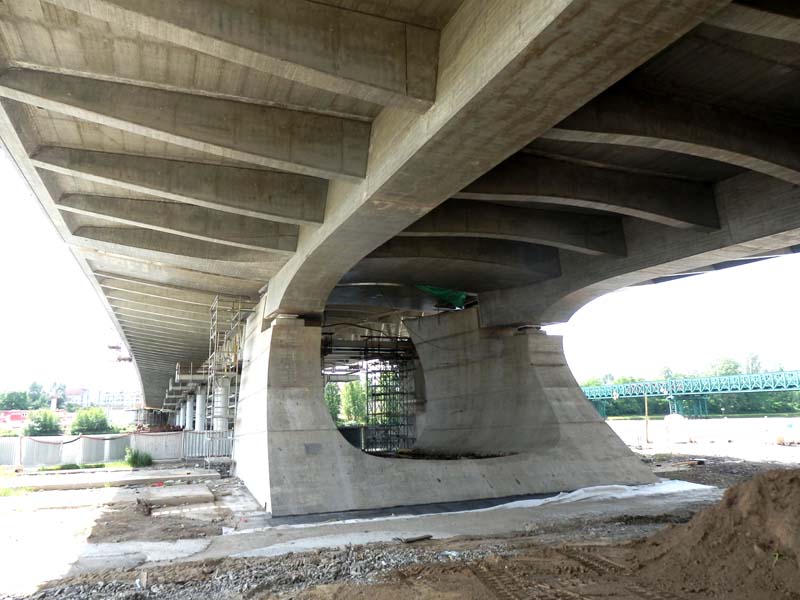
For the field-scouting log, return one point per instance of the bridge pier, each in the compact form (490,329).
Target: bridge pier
(502,394)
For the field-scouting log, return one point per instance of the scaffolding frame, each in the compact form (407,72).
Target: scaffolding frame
(227,317)
(391,393)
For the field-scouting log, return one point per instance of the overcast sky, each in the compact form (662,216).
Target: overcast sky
(56,330)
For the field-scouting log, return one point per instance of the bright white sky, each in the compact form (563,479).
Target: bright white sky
(56,330)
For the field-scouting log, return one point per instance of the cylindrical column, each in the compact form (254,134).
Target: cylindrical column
(189,420)
(181,415)
(220,416)
(200,412)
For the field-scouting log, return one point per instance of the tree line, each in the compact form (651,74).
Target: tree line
(347,403)
(34,398)
(718,404)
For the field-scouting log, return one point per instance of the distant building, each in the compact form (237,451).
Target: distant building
(13,419)
(79,396)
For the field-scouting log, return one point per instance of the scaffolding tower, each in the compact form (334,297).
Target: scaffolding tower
(391,394)
(227,319)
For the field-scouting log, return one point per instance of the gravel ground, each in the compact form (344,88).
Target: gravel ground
(717,471)
(256,578)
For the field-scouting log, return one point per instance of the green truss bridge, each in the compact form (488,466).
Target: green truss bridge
(779,381)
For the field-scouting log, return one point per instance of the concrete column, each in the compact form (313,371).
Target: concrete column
(189,420)
(181,421)
(200,412)
(221,393)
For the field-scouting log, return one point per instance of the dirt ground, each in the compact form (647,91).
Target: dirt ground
(672,556)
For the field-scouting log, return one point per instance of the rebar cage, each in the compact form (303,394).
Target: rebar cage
(391,394)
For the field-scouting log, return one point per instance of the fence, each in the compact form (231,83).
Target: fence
(88,449)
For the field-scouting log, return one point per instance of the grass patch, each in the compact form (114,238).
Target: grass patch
(4,492)
(72,467)
(137,458)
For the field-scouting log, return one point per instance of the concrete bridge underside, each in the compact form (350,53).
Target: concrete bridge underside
(323,158)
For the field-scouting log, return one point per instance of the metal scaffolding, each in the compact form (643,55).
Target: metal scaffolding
(391,395)
(227,320)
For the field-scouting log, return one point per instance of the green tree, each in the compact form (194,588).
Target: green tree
(59,390)
(36,397)
(354,402)
(726,366)
(91,420)
(42,422)
(753,364)
(333,399)
(14,401)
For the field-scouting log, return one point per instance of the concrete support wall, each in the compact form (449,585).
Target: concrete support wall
(294,461)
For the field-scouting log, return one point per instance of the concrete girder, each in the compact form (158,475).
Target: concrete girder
(587,234)
(335,49)
(143,253)
(268,195)
(187,221)
(630,117)
(137,342)
(395,296)
(276,138)
(757,21)
(744,232)
(168,275)
(169,244)
(163,328)
(527,178)
(191,310)
(111,281)
(503,81)
(470,265)
(162,321)
(142,331)
(149,309)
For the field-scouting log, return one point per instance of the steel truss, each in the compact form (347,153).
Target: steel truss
(780,381)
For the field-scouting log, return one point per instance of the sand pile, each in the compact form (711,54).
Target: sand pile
(747,546)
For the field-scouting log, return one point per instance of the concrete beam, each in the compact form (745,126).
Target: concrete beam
(167,275)
(632,118)
(744,232)
(508,71)
(143,331)
(587,234)
(203,257)
(149,309)
(163,321)
(335,49)
(186,221)
(149,289)
(193,310)
(155,324)
(276,138)
(136,342)
(470,265)
(268,195)
(527,178)
(777,24)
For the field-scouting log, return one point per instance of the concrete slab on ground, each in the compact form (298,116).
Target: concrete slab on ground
(99,479)
(174,495)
